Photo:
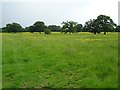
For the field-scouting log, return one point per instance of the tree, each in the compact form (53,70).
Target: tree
(0,30)
(31,29)
(90,26)
(117,29)
(54,28)
(47,31)
(79,28)
(69,26)
(26,29)
(101,24)
(8,28)
(39,26)
(3,29)
(17,27)
(105,24)
(14,27)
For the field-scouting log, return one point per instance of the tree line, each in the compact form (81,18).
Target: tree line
(103,23)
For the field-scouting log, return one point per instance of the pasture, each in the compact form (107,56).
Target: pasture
(84,60)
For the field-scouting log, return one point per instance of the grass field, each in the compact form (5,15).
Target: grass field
(33,60)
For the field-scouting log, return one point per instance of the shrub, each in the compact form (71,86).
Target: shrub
(47,31)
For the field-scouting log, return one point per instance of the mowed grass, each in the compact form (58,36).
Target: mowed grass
(33,60)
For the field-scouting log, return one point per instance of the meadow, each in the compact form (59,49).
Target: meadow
(84,60)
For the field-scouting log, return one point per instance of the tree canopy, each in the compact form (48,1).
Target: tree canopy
(69,26)
(54,28)
(117,29)
(39,26)
(102,23)
(14,27)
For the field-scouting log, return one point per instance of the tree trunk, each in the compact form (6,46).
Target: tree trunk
(104,33)
(94,32)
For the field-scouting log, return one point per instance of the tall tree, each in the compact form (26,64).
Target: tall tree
(14,27)
(90,26)
(69,26)
(8,28)
(39,26)
(101,24)
(79,28)
(54,28)
(105,23)
(31,29)
(117,29)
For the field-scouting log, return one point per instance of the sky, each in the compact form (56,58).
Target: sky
(54,12)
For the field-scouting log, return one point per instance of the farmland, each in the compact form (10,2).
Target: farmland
(84,60)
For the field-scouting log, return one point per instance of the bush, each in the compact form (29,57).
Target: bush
(47,31)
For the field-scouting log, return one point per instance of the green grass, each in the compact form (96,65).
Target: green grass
(33,60)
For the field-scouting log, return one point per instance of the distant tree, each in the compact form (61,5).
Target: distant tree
(90,26)
(9,28)
(39,26)
(69,26)
(14,27)
(101,24)
(47,31)
(3,29)
(31,29)
(79,28)
(54,28)
(117,29)
(105,24)
(0,29)
(26,29)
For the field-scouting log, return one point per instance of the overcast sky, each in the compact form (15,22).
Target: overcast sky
(26,12)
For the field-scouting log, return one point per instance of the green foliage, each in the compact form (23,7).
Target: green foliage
(59,60)
(69,26)
(79,28)
(54,28)
(103,23)
(90,26)
(31,29)
(3,29)
(39,26)
(117,29)
(26,29)
(47,31)
(14,27)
